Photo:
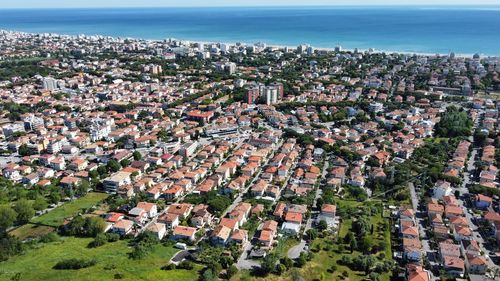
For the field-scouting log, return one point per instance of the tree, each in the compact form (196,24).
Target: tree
(40,203)
(208,275)
(361,226)
(286,261)
(24,211)
(280,269)
(268,264)
(137,155)
(24,150)
(353,244)
(7,218)
(163,135)
(301,261)
(94,226)
(125,163)
(82,188)
(366,244)
(54,197)
(322,225)
(113,165)
(99,240)
(312,234)
(232,271)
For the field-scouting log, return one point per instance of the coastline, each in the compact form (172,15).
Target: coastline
(278,46)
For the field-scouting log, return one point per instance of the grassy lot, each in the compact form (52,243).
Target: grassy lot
(56,217)
(112,258)
(328,251)
(30,230)
(46,223)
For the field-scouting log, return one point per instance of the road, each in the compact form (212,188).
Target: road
(241,194)
(295,251)
(243,262)
(420,217)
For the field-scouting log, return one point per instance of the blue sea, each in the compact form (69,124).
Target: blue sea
(463,30)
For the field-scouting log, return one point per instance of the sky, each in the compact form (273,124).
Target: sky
(219,3)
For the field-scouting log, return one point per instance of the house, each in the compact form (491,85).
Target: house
(454,266)
(113,217)
(239,236)
(441,189)
(220,235)
(181,209)
(115,181)
(268,232)
(482,201)
(159,229)
(170,220)
(461,233)
(292,224)
(233,224)
(139,215)
(184,233)
(123,227)
(416,273)
(327,214)
(476,263)
(69,182)
(201,216)
(150,208)
(412,249)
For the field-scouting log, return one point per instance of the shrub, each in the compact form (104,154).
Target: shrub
(187,265)
(49,237)
(75,263)
(170,266)
(99,240)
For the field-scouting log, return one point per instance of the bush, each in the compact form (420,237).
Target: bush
(187,265)
(75,264)
(49,237)
(99,240)
(170,266)
(112,237)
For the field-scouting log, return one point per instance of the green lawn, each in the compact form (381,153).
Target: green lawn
(47,223)
(112,258)
(56,217)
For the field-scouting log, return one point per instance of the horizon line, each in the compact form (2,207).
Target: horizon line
(260,6)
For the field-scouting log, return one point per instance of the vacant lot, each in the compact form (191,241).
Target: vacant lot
(112,261)
(46,223)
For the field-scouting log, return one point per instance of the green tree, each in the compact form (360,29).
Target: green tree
(24,211)
(312,234)
(137,155)
(125,163)
(268,264)
(302,260)
(40,203)
(113,165)
(232,271)
(322,225)
(7,218)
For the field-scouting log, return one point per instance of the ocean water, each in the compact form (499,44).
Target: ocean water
(463,30)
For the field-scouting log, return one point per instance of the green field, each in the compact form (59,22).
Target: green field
(112,259)
(53,219)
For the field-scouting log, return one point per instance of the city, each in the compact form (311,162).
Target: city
(168,159)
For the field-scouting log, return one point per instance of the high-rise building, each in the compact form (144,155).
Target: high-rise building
(280,88)
(49,84)
(271,95)
(252,95)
